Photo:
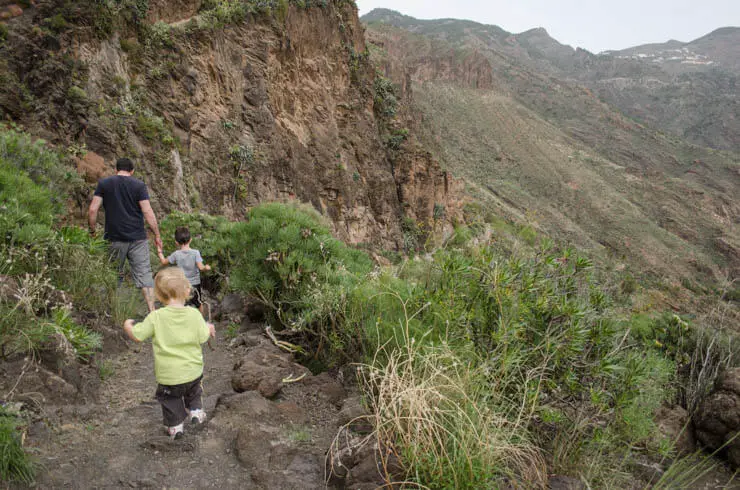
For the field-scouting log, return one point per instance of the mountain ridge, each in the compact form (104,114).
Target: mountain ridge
(389,15)
(533,139)
(687,89)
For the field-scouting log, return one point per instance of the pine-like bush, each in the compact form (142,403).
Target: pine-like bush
(285,255)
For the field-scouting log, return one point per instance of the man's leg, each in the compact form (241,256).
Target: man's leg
(141,270)
(149,298)
(118,253)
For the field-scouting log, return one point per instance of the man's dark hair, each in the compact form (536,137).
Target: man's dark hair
(125,165)
(182,235)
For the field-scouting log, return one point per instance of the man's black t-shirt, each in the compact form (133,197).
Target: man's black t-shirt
(124,221)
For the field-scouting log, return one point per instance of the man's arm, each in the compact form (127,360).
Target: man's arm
(146,208)
(92,212)
(203,267)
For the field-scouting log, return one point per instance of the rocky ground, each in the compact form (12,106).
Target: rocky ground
(116,438)
(271,422)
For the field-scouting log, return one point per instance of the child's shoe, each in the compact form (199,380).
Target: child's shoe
(175,432)
(197,416)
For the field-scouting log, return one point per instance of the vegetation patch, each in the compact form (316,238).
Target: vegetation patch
(37,255)
(15,463)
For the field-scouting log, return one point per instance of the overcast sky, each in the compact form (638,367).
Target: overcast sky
(596,25)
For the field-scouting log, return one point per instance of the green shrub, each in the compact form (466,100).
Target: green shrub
(286,256)
(76,94)
(43,165)
(154,129)
(385,102)
(668,332)
(51,267)
(158,35)
(15,464)
(57,23)
(397,138)
(540,330)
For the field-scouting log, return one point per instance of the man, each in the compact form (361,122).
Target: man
(127,206)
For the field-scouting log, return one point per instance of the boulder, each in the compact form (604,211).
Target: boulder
(263,369)
(354,415)
(264,445)
(248,404)
(327,388)
(231,308)
(675,424)
(256,312)
(717,419)
(361,462)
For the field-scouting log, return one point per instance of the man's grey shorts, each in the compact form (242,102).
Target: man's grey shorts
(137,254)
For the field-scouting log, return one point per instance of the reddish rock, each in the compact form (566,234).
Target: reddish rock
(327,387)
(12,10)
(92,167)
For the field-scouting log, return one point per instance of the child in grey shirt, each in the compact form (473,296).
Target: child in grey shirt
(190,261)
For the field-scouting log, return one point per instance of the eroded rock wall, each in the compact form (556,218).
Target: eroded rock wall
(277,106)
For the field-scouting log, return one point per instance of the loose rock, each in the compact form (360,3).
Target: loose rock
(263,369)
(718,418)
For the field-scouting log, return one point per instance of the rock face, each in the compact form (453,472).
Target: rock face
(277,106)
(717,420)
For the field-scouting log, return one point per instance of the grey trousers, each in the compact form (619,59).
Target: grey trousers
(137,254)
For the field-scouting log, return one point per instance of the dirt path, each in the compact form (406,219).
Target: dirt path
(119,441)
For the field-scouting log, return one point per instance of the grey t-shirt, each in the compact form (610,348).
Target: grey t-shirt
(187,260)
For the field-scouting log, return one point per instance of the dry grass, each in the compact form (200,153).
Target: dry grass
(427,409)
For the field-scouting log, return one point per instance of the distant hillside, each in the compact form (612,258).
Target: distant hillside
(718,49)
(688,89)
(543,147)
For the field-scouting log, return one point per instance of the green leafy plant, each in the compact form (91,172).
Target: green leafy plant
(385,102)
(37,256)
(106,369)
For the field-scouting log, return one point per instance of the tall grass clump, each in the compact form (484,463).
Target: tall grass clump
(432,405)
(15,464)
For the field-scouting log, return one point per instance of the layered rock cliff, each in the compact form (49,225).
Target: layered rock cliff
(222,104)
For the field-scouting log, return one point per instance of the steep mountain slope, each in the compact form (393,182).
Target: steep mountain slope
(224,105)
(689,89)
(538,145)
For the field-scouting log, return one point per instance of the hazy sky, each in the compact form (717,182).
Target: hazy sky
(596,25)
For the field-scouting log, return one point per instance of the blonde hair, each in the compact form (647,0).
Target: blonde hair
(171,284)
